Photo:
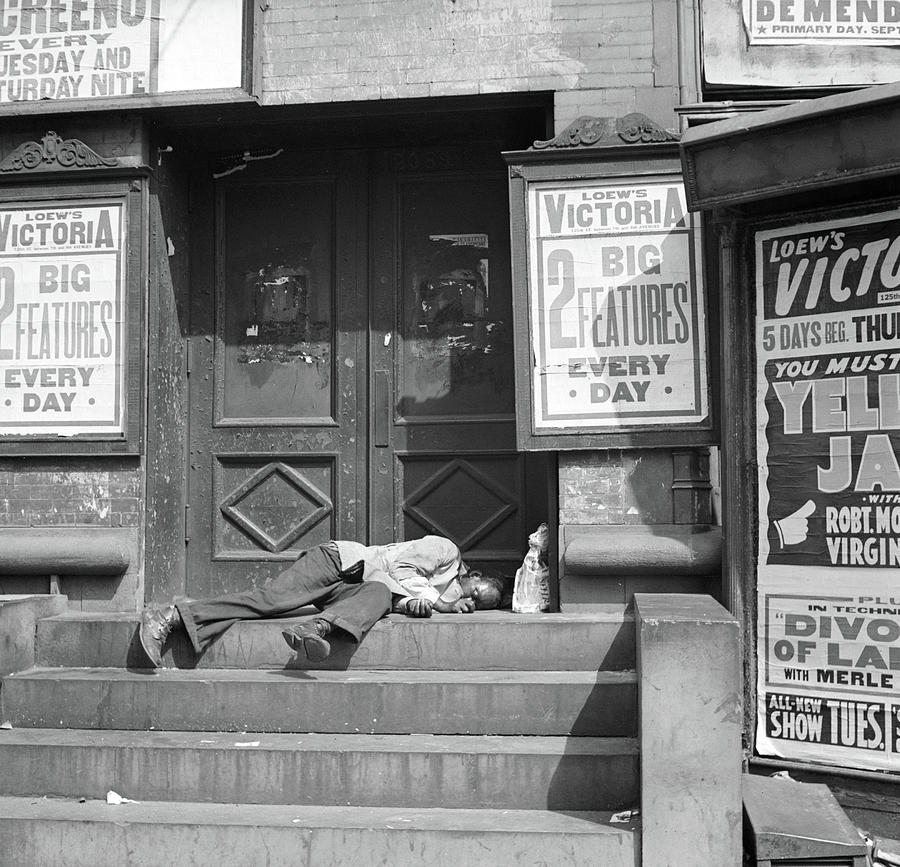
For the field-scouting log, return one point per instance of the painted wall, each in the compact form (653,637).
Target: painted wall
(607,57)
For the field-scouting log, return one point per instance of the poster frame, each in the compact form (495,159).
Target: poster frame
(624,165)
(754,225)
(246,92)
(731,62)
(132,192)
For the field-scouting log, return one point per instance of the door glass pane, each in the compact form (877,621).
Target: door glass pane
(275,305)
(456,355)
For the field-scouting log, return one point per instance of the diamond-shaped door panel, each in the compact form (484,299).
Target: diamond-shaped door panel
(460,501)
(272,508)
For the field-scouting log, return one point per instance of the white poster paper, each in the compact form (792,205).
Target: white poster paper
(96,49)
(828,438)
(62,360)
(616,306)
(836,22)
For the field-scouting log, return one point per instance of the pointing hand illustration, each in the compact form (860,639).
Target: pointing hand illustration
(794,529)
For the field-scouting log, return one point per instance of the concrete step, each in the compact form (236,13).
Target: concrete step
(579,703)
(450,771)
(18,615)
(67,833)
(480,641)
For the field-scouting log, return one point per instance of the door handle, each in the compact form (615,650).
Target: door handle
(382,409)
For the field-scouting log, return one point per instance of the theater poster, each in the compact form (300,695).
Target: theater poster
(835,22)
(828,438)
(617,318)
(62,308)
(98,49)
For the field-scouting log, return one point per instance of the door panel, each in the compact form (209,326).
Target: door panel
(352,365)
(276,422)
(441,346)
(455,300)
(275,300)
(472,497)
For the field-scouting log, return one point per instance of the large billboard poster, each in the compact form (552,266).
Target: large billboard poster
(828,440)
(836,22)
(62,295)
(96,49)
(616,306)
(800,43)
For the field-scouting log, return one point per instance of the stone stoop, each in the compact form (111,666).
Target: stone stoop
(19,616)
(483,739)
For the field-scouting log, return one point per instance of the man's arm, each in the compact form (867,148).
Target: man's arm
(413,582)
(412,607)
(463,605)
(428,574)
(422,607)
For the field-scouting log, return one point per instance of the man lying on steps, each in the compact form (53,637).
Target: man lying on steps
(352,585)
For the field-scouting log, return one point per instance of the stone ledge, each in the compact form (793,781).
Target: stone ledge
(94,551)
(645,549)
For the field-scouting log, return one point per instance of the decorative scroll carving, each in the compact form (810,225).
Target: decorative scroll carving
(637,128)
(52,153)
(589,131)
(582,132)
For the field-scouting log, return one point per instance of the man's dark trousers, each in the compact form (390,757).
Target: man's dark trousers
(314,579)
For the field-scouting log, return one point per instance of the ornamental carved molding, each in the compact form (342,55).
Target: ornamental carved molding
(592,132)
(53,153)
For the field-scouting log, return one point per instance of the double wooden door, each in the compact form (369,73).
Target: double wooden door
(351,363)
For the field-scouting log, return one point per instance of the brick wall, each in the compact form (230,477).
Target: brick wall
(604,57)
(94,495)
(111,137)
(615,487)
(648,486)
(65,493)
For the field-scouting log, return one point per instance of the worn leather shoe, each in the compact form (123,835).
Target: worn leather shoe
(156,624)
(308,639)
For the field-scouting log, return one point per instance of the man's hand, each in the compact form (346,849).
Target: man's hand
(418,608)
(466,605)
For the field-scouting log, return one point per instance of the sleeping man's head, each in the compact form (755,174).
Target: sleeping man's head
(485,590)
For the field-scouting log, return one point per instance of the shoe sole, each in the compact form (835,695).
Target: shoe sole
(313,647)
(147,652)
